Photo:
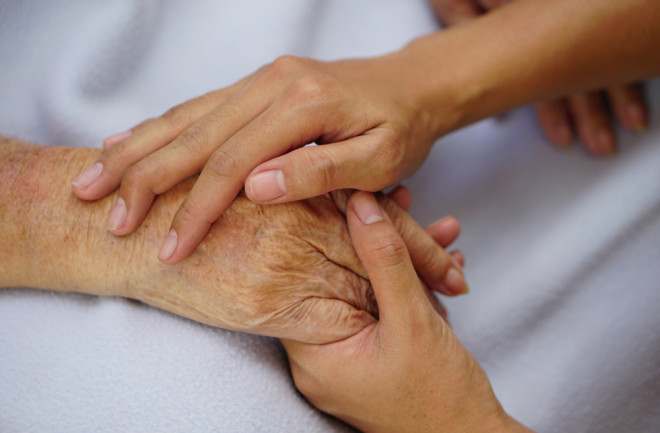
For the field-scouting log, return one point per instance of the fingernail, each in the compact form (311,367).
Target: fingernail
(117,215)
(168,247)
(268,185)
(455,280)
(604,142)
(367,209)
(563,135)
(87,177)
(636,117)
(116,138)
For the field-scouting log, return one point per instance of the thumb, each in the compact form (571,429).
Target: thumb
(383,253)
(315,170)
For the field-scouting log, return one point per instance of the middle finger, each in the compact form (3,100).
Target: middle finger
(185,156)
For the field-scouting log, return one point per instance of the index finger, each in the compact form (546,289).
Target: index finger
(277,130)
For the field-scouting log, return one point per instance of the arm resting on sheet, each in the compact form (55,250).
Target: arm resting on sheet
(263,271)
(285,271)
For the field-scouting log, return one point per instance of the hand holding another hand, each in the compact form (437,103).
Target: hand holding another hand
(374,128)
(287,271)
(406,372)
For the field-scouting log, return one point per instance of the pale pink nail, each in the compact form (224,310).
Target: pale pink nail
(116,138)
(367,209)
(117,215)
(268,185)
(455,281)
(168,247)
(87,177)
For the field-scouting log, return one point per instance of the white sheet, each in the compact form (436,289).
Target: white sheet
(561,247)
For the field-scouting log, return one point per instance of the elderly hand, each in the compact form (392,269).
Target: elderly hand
(288,270)
(585,114)
(253,132)
(406,372)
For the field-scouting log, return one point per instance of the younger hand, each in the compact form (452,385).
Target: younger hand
(406,372)
(366,112)
(586,115)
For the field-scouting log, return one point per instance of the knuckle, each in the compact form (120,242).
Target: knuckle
(285,65)
(434,264)
(119,155)
(194,139)
(146,176)
(388,251)
(136,176)
(178,116)
(188,215)
(325,168)
(222,164)
(208,99)
(304,81)
(309,86)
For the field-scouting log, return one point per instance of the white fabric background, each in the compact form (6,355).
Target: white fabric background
(562,248)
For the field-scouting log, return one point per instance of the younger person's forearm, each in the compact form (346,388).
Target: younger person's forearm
(535,49)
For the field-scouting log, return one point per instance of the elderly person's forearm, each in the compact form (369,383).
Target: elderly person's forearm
(254,273)
(44,226)
(285,271)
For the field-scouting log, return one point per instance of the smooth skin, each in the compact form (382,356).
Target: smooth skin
(408,371)
(250,135)
(586,115)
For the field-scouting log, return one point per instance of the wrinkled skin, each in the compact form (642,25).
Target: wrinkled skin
(287,271)
(282,270)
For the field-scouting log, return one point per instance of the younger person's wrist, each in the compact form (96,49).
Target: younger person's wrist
(437,85)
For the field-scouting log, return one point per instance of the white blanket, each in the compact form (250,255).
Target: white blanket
(562,250)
